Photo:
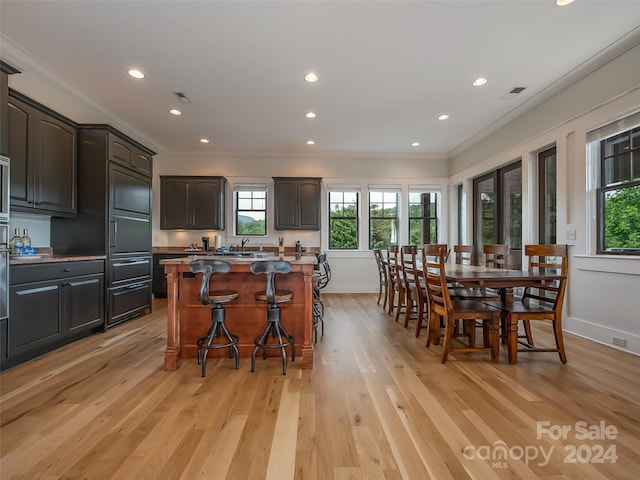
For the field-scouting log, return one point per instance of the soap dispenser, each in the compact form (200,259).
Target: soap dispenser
(298,247)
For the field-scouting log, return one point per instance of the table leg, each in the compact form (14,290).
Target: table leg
(512,340)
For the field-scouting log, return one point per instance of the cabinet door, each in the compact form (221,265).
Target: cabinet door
(129,234)
(35,319)
(207,204)
(126,302)
(141,162)
(120,151)
(174,203)
(18,132)
(309,202)
(130,192)
(54,165)
(286,204)
(84,298)
(297,203)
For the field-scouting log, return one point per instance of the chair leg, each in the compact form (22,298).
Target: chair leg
(408,309)
(448,337)
(527,331)
(421,305)
(557,332)
(401,300)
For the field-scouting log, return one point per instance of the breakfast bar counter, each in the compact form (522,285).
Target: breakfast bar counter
(188,319)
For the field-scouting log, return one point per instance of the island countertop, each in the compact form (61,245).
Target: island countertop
(188,319)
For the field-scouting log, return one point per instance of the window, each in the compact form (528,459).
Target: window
(619,194)
(547,196)
(343,220)
(383,218)
(251,210)
(498,211)
(423,217)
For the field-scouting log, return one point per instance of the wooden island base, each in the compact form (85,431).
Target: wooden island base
(188,319)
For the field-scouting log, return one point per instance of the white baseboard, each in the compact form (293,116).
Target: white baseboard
(602,334)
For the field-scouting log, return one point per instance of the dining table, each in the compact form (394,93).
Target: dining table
(504,281)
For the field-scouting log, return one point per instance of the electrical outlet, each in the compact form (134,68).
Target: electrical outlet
(621,342)
(570,234)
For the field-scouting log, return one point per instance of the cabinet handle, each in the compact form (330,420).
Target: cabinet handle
(67,269)
(115,233)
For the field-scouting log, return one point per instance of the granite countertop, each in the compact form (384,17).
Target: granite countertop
(293,259)
(48,257)
(186,251)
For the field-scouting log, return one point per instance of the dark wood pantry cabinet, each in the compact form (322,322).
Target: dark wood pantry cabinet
(114,217)
(192,202)
(297,203)
(43,152)
(5,71)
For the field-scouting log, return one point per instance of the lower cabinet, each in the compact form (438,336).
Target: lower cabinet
(52,304)
(128,300)
(159,276)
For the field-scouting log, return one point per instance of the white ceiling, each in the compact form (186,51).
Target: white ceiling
(387,68)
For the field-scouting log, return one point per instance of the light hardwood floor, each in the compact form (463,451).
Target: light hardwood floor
(377,405)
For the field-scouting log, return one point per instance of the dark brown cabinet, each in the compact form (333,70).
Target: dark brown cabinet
(297,203)
(43,152)
(5,71)
(159,275)
(192,203)
(114,218)
(53,304)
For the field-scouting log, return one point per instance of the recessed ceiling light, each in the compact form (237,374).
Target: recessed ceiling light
(563,3)
(204,140)
(175,111)
(311,77)
(478,82)
(444,116)
(310,115)
(136,73)
(415,144)
(311,142)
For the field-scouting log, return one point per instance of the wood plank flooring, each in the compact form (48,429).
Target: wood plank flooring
(377,405)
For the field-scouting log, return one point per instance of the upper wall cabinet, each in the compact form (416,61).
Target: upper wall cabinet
(192,203)
(43,153)
(124,153)
(297,203)
(5,71)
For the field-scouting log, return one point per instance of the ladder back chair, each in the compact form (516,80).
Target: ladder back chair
(540,302)
(443,307)
(416,294)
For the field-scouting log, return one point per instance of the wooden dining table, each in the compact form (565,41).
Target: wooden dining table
(474,276)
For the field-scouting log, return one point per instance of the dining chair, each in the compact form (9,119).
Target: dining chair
(465,254)
(393,284)
(383,276)
(496,255)
(406,252)
(414,287)
(442,308)
(540,302)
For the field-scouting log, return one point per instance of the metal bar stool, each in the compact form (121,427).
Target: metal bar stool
(215,298)
(272,297)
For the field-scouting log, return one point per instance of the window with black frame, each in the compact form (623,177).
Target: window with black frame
(251,211)
(619,194)
(383,218)
(497,216)
(423,217)
(343,220)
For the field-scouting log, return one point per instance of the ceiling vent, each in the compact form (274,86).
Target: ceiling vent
(515,91)
(182,97)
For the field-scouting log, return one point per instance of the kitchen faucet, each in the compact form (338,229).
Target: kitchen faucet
(243,243)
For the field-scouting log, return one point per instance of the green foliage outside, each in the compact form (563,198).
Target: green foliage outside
(622,218)
(250,226)
(383,226)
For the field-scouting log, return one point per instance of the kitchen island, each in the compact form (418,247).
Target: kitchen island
(188,319)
